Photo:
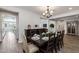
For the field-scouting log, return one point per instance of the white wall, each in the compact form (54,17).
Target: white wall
(43,22)
(25,18)
(48,22)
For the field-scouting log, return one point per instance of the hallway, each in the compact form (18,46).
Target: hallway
(10,44)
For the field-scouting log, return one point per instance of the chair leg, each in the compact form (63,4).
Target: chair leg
(52,50)
(58,46)
(62,44)
(55,50)
(24,51)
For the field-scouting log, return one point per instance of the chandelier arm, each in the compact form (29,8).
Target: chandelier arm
(48,12)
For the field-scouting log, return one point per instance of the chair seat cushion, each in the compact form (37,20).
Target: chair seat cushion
(35,38)
(45,38)
(32,48)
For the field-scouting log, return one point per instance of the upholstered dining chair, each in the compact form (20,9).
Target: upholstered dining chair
(28,47)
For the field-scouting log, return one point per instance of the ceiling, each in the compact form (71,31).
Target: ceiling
(57,9)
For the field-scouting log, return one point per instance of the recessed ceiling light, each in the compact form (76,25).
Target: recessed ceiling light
(70,8)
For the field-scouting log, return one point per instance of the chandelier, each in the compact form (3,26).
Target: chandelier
(47,13)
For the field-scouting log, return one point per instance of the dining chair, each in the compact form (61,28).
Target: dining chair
(57,43)
(49,48)
(29,47)
(59,40)
(62,36)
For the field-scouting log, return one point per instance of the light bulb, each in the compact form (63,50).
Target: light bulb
(46,11)
(43,13)
(51,11)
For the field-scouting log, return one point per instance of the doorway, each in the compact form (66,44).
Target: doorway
(9,23)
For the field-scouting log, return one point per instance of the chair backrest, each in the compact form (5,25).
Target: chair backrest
(62,34)
(51,42)
(59,35)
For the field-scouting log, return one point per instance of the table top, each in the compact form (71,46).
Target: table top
(39,42)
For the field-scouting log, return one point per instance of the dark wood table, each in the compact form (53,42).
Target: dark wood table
(39,42)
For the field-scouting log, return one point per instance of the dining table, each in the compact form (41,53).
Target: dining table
(39,43)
